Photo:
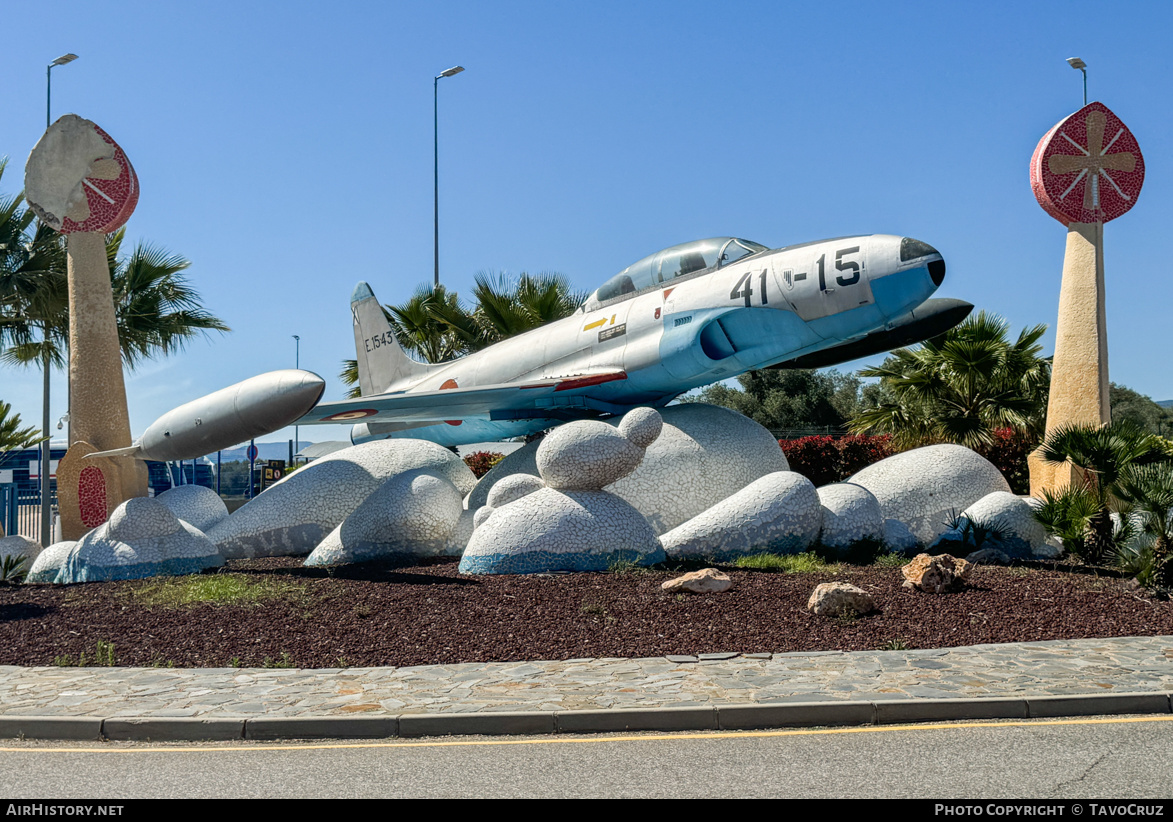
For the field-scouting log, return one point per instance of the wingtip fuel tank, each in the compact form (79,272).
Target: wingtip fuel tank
(257,406)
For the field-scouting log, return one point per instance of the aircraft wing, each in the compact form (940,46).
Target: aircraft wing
(512,400)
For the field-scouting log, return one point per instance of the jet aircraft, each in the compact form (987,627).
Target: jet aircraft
(685,317)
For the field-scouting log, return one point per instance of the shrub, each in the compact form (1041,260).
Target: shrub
(482,461)
(824,460)
(816,458)
(1008,452)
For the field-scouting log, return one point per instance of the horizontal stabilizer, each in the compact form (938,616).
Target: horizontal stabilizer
(927,320)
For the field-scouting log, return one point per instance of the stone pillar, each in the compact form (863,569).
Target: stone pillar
(98,415)
(1079,372)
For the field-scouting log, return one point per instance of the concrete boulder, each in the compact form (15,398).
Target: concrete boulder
(552,530)
(926,488)
(779,513)
(293,516)
(851,514)
(142,538)
(48,563)
(195,504)
(702,455)
(18,546)
(409,517)
(1002,521)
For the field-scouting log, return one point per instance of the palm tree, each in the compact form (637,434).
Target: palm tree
(961,386)
(1108,457)
(435,326)
(12,436)
(156,309)
(1149,489)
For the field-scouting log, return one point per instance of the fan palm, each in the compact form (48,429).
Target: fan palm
(157,311)
(1108,458)
(961,386)
(1149,489)
(435,326)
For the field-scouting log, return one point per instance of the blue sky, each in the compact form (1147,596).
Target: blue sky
(286,149)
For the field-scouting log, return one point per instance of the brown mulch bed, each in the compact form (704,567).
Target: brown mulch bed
(372,615)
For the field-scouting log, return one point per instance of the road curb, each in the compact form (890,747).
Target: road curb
(171,729)
(489,723)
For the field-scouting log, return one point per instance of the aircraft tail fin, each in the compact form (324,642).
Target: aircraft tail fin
(382,362)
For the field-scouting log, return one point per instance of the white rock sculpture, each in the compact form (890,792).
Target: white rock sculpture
(837,598)
(851,513)
(513,488)
(195,504)
(703,454)
(586,456)
(18,546)
(926,488)
(142,538)
(779,513)
(48,563)
(409,517)
(551,530)
(897,536)
(1011,520)
(571,525)
(293,516)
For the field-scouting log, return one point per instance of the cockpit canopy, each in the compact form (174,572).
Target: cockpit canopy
(662,267)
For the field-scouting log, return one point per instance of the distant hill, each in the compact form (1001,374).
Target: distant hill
(268,451)
(1165,403)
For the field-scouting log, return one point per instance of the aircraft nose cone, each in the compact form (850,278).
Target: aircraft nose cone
(911,249)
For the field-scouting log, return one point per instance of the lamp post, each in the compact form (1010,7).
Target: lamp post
(436,165)
(296,364)
(1077,63)
(46,457)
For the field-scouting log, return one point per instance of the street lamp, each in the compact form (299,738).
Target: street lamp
(1077,63)
(46,525)
(436,165)
(296,364)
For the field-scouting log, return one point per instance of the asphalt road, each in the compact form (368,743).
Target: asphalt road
(1099,757)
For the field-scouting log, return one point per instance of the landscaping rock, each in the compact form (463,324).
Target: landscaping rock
(704,581)
(835,598)
(935,574)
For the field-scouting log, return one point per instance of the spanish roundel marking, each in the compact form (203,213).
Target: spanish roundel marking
(356,414)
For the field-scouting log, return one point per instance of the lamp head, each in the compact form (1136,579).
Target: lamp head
(450,72)
(63,59)
(1076,63)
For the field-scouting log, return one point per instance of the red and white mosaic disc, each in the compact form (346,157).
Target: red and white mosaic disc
(111,198)
(1088,168)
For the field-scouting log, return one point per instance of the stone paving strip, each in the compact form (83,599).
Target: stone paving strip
(1130,674)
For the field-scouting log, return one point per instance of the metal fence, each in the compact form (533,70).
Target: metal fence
(20,511)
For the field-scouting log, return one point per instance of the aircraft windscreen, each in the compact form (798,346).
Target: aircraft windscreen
(677,261)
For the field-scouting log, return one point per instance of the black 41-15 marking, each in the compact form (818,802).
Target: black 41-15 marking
(746,293)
